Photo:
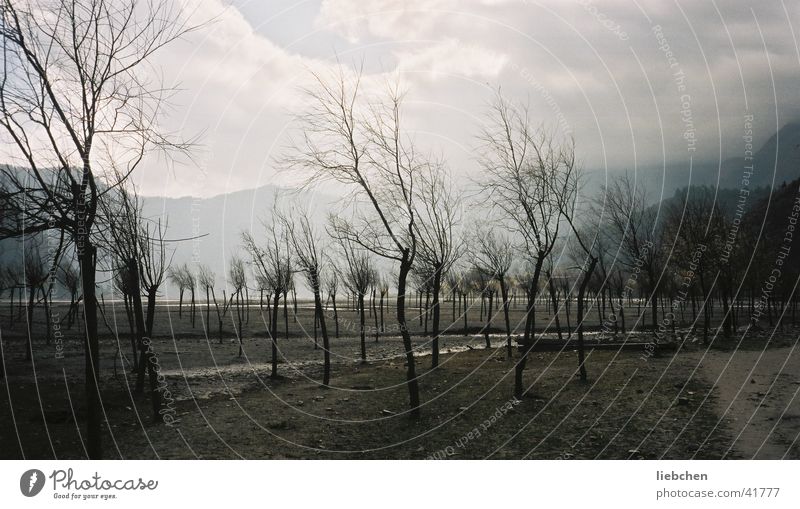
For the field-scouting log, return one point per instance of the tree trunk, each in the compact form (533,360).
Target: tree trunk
(335,315)
(613,310)
(73,309)
(362,326)
(437,285)
(239,319)
(132,328)
(208,313)
(294,303)
(419,306)
(152,292)
(567,311)
(47,315)
(383,323)
(326,352)
(530,324)
(29,317)
(466,326)
(87,259)
(554,298)
(654,306)
(704,304)
(726,318)
(374,311)
(488,326)
(246,305)
(453,291)
(600,308)
(316,327)
(427,309)
(152,364)
(581,298)
(219,315)
(147,359)
(286,312)
(274,333)
(11,309)
(411,372)
(504,295)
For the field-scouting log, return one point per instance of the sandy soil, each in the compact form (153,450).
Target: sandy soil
(756,398)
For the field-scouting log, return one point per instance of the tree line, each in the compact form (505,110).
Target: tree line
(76,96)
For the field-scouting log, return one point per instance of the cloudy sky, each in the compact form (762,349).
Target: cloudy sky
(637,83)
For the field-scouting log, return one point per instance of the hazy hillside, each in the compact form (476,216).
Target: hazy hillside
(779,155)
(775,217)
(214,225)
(728,198)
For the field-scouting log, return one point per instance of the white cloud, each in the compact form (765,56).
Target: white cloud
(386,19)
(452,57)
(239,84)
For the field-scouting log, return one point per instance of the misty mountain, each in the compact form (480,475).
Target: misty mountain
(778,161)
(778,156)
(208,230)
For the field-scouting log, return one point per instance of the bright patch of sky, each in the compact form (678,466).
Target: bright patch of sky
(632,81)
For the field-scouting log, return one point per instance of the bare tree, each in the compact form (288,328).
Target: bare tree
(438,214)
(493,256)
(358,276)
(635,230)
(122,283)
(565,187)
(453,281)
(191,285)
(123,238)
(13,276)
(35,277)
(273,263)
(237,276)
(205,280)
(464,282)
(554,292)
(586,254)
(70,280)
(307,245)
(74,81)
(6,283)
(383,288)
(154,264)
(520,163)
(485,287)
(332,289)
(693,224)
(368,151)
(181,277)
(421,278)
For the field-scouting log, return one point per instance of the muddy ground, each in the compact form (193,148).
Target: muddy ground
(734,399)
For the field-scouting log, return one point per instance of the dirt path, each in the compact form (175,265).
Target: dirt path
(757,398)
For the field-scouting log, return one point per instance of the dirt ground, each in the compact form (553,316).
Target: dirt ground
(737,399)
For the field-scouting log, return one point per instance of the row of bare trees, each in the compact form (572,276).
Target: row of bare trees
(77,100)
(80,110)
